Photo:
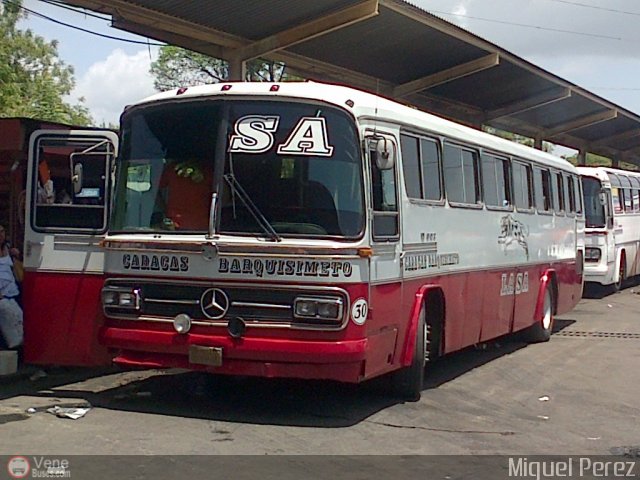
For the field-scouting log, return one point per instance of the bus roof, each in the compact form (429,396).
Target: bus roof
(604,173)
(366,106)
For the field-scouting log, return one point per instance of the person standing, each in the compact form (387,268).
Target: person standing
(11,321)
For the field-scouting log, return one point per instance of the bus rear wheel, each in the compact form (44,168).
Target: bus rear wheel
(407,383)
(541,330)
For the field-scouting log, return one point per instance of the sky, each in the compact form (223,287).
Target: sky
(592,43)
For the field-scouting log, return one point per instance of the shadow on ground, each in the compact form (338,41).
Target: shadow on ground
(246,399)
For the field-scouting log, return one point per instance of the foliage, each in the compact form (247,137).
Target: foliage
(594,160)
(33,80)
(177,67)
(514,137)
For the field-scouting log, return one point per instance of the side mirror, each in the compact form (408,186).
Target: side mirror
(602,197)
(385,153)
(77,178)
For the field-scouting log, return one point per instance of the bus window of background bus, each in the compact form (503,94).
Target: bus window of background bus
(635,182)
(542,187)
(461,175)
(593,208)
(522,192)
(617,197)
(626,188)
(495,183)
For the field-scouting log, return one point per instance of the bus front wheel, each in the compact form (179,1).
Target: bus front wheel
(408,382)
(622,273)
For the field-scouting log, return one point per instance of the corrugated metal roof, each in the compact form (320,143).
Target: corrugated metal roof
(383,53)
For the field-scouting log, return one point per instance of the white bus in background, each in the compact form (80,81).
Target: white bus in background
(316,231)
(612,208)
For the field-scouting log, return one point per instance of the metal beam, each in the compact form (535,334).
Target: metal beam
(447,75)
(307,31)
(581,122)
(627,135)
(530,103)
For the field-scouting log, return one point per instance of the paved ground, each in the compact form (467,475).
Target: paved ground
(578,394)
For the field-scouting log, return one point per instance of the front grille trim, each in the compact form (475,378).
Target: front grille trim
(290,323)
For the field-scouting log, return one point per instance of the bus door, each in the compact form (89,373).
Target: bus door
(385,270)
(67,207)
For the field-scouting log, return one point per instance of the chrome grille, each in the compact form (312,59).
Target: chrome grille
(254,303)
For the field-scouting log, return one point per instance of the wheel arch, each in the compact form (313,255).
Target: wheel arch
(432,297)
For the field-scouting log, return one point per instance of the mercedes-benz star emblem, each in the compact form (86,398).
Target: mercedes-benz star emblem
(214,303)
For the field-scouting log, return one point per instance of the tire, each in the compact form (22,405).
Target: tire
(407,383)
(541,330)
(622,274)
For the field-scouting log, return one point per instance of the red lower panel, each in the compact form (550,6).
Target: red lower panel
(62,316)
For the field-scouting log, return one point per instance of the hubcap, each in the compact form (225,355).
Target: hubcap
(546,319)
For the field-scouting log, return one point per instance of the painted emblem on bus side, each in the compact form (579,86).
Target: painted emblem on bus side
(512,230)
(255,134)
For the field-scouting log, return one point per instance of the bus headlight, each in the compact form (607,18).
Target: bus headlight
(121,298)
(329,308)
(592,254)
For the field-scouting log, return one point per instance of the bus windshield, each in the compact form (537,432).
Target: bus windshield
(594,210)
(279,168)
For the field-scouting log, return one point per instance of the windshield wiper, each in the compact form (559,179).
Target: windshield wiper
(253,209)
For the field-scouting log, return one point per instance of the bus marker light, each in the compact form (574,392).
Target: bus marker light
(365,252)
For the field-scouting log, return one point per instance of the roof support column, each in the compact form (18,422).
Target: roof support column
(237,69)
(537,143)
(582,158)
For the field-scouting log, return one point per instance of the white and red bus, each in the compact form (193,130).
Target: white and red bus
(612,213)
(314,231)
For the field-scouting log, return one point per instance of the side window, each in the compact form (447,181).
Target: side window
(542,183)
(635,193)
(570,193)
(71,184)
(558,193)
(430,156)
(461,175)
(522,183)
(385,196)
(578,195)
(495,181)
(618,199)
(411,166)
(421,167)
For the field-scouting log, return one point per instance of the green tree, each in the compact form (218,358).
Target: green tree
(177,67)
(33,80)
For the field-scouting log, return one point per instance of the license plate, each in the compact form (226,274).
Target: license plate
(211,356)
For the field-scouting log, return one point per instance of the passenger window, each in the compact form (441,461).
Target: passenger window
(461,175)
(430,156)
(411,166)
(578,195)
(571,194)
(543,196)
(522,181)
(558,193)
(495,184)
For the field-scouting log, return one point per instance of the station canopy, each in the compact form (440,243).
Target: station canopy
(397,50)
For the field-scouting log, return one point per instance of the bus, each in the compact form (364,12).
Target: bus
(612,213)
(313,231)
